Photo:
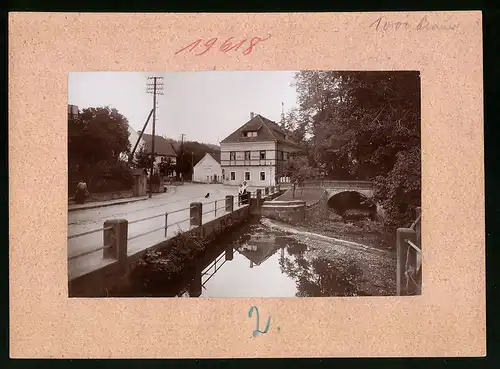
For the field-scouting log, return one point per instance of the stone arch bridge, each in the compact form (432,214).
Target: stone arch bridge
(332,187)
(347,195)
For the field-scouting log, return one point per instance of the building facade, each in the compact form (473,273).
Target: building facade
(256,153)
(165,154)
(207,170)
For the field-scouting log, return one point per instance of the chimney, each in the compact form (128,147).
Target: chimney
(252,114)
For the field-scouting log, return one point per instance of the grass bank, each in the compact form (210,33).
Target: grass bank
(366,232)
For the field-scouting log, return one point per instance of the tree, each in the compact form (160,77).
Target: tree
(142,159)
(98,138)
(366,125)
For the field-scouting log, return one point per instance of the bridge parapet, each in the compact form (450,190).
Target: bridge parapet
(366,185)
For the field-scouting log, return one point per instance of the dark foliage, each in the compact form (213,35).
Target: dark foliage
(97,144)
(363,125)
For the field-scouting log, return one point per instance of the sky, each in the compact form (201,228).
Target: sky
(205,106)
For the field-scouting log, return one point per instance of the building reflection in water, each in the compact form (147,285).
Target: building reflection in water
(256,248)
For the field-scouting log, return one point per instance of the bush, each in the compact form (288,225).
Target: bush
(114,177)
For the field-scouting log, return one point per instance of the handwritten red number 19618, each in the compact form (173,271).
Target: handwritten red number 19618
(247,45)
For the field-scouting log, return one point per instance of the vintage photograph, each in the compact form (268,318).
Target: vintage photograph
(227,184)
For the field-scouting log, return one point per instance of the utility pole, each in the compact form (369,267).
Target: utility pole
(182,155)
(192,166)
(282,115)
(156,89)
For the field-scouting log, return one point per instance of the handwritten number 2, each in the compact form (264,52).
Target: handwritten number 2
(257,331)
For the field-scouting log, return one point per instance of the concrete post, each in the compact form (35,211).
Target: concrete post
(116,238)
(418,227)
(229,253)
(195,285)
(229,203)
(195,212)
(266,191)
(166,224)
(402,235)
(418,231)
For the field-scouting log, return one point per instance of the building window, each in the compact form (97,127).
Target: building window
(262,176)
(247,155)
(247,176)
(250,134)
(262,155)
(280,155)
(232,155)
(233,176)
(285,156)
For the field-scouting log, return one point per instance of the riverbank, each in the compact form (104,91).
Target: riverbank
(350,268)
(357,269)
(366,232)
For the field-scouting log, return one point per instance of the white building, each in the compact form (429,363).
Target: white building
(255,153)
(208,170)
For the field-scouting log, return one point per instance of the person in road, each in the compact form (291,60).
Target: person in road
(81,192)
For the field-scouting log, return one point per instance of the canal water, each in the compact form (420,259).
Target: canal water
(261,261)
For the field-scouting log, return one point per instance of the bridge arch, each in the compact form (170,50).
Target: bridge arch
(346,200)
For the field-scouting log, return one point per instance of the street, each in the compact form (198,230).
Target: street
(141,234)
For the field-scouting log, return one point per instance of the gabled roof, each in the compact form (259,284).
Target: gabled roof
(263,252)
(267,130)
(162,146)
(213,155)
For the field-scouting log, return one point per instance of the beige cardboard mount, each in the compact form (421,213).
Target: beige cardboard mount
(448,319)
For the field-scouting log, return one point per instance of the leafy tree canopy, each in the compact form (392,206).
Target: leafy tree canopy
(363,125)
(97,140)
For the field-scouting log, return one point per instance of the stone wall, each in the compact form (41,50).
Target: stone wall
(292,212)
(104,196)
(256,204)
(319,209)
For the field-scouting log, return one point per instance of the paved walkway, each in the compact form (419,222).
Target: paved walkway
(99,204)
(141,234)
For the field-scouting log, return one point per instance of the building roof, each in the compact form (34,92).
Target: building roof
(214,155)
(162,146)
(264,251)
(267,130)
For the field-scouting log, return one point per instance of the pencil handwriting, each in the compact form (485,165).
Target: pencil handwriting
(423,24)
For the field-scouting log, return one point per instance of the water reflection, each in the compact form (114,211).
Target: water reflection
(259,262)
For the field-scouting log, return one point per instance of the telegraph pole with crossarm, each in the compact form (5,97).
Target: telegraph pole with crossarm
(154,86)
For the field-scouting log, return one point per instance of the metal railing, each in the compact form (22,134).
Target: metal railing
(409,259)
(88,232)
(213,265)
(164,227)
(95,249)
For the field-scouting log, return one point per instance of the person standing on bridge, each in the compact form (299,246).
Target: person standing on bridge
(81,192)
(243,193)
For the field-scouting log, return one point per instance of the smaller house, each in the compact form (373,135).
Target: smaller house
(165,154)
(208,169)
